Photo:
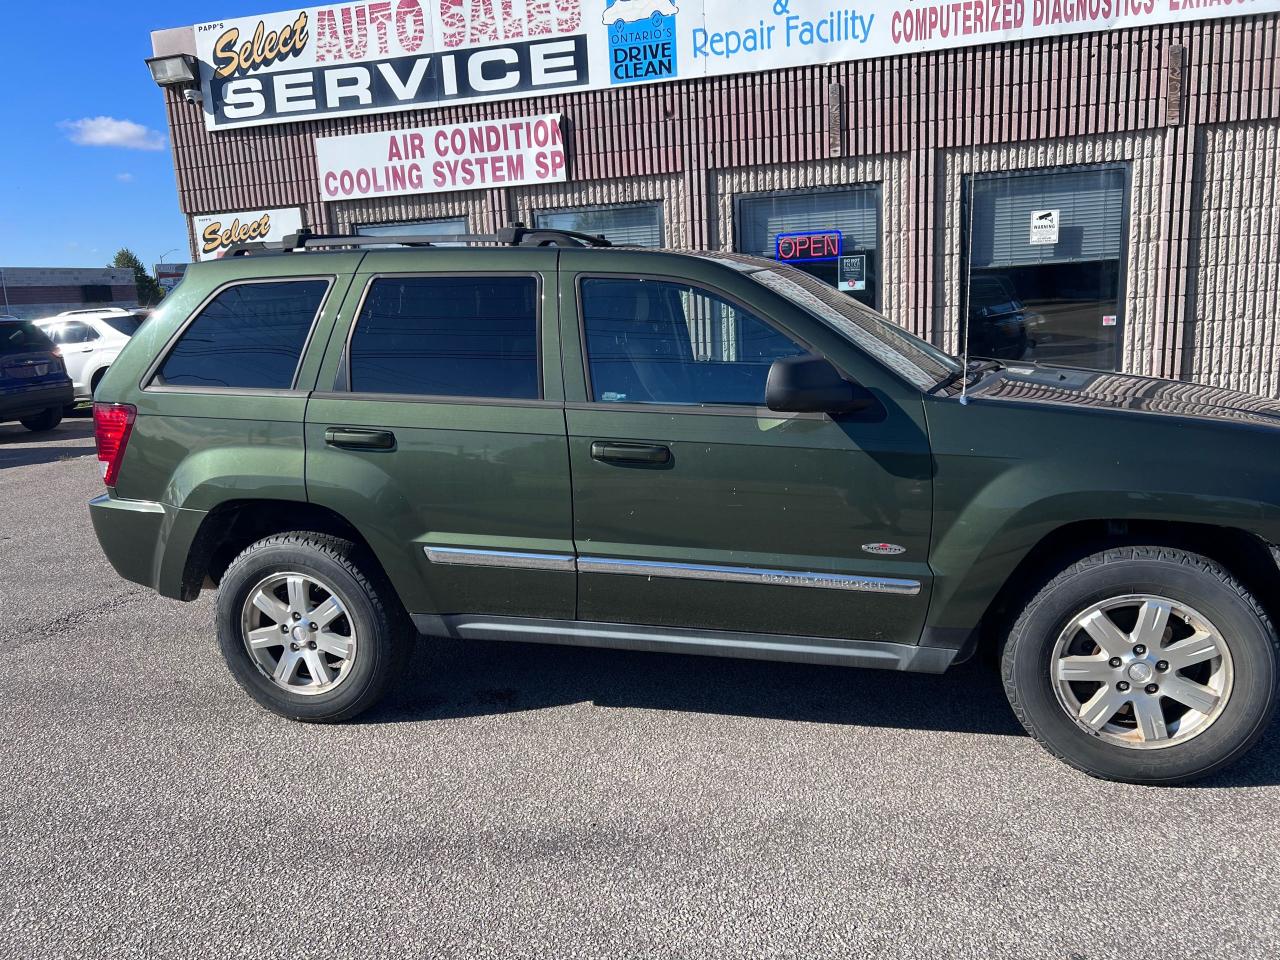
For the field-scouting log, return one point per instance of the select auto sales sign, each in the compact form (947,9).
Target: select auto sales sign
(462,156)
(385,55)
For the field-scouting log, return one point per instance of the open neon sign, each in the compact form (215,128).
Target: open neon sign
(808,246)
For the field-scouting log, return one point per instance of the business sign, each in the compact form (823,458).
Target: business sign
(851,274)
(388,55)
(462,156)
(1044,227)
(808,246)
(219,232)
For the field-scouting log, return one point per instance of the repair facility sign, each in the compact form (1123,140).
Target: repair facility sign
(460,156)
(387,55)
(216,233)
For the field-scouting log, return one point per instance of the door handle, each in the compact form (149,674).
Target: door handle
(609,451)
(357,439)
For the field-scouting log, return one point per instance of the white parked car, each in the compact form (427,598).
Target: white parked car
(90,341)
(633,11)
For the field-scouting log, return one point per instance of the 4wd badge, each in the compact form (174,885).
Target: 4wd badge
(883,549)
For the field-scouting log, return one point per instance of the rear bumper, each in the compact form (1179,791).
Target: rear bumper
(27,401)
(146,542)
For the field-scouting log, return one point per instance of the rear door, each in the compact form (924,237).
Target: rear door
(697,506)
(437,428)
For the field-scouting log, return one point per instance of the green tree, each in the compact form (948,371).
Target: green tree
(149,291)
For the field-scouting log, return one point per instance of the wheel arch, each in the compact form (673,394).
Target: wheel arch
(1246,556)
(233,525)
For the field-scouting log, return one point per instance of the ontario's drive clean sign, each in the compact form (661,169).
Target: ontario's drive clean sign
(387,55)
(463,156)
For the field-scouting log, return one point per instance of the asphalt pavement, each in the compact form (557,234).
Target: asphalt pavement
(525,801)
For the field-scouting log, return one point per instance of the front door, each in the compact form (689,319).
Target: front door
(441,437)
(696,506)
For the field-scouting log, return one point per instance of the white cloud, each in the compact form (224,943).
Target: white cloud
(110,132)
(125,177)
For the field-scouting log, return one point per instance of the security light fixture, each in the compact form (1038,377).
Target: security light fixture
(174,70)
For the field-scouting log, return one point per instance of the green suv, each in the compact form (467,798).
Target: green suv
(540,438)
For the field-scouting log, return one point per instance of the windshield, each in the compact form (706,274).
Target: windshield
(917,362)
(22,337)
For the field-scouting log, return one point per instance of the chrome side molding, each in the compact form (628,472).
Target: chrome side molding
(519,559)
(786,578)
(563,562)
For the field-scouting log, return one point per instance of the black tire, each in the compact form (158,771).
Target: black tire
(1177,575)
(371,604)
(45,420)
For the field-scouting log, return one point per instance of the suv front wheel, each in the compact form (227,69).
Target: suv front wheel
(309,627)
(1143,664)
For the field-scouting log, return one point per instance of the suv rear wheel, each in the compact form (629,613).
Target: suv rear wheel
(309,627)
(44,420)
(1143,664)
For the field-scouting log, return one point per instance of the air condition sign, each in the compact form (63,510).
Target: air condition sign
(463,156)
(387,55)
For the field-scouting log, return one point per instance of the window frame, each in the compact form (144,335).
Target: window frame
(875,187)
(147,383)
(717,409)
(342,379)
(592,207)
(967,181)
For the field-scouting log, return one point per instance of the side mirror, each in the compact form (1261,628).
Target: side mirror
(810,384)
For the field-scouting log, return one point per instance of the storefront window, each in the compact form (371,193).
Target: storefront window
(630,225)
(420,228)
(1046,265)
(832,234)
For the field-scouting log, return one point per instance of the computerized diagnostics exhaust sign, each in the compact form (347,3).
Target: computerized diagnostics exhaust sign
(388,55)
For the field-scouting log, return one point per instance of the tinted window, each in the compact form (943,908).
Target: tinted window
(652,341)
(22,337)
(73,331)
(127,325)
(250,335)
(448,336)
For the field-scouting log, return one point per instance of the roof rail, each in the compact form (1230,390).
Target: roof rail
(516,235)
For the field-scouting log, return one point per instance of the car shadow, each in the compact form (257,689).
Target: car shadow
(450,679)
(19,447)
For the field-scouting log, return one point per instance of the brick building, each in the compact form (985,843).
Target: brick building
(33,292)
(1107,197)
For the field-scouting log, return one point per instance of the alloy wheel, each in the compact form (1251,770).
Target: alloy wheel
(1142,671)
(298,633)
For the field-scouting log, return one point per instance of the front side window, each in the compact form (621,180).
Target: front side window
(249,336)
(659,341)
(448,336)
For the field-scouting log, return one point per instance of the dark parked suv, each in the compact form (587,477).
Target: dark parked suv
(544,440)
(34,386)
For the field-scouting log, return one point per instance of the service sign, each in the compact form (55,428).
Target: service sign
(219,232)
(462,156)
(387,55)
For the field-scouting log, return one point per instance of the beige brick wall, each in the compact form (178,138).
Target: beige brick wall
(1235,324)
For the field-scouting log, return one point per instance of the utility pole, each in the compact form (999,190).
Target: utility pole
(5,287)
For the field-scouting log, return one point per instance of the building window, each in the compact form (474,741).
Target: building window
(448,336)
(421,228)
(653,341)
(630,225)
(832,234)
(249,336)
(1045,253)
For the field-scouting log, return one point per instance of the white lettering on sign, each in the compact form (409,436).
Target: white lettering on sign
(464,156)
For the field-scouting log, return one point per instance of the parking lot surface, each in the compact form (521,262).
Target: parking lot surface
(516,800)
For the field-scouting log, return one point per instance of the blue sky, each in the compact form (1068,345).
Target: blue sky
(73,192)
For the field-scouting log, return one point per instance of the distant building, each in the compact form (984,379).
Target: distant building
(31,292)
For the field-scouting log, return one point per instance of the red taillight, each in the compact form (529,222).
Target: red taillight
(112,424)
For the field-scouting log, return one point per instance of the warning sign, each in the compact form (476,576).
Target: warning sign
(1044,227)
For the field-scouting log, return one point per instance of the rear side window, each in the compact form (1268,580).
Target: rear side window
(250,335)
(22,337)
(127,325)
(448,336)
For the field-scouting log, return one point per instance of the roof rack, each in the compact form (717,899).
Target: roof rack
(516,235)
